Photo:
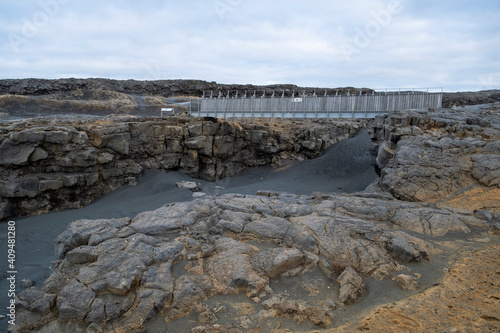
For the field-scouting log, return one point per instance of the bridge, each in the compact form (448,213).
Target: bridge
(316,107)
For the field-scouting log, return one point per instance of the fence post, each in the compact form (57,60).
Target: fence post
(353,105)
(315,105)
(340,105)
(368,104)
(282,104)
(251,109)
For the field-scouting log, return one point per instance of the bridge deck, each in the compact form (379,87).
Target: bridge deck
(353,106)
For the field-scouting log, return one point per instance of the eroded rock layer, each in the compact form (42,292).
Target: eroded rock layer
(49,165)
(117,274)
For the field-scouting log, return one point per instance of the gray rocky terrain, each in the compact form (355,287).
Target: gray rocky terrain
(116,274)
(21,98)
(166,88)
(48,165)
(430,156)
(162,266)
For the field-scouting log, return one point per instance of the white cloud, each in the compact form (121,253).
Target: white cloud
(450,43)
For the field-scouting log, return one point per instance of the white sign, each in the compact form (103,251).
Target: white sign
(168,111)
(297,100)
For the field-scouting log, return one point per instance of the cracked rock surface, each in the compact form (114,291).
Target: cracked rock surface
(118,273)
(433,156)
(233,262)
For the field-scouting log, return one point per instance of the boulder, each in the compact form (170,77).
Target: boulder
(159,277)
(210,128)
(35,301)
(29,135)
(91,178)
(495,229)
(15,154)
(402,250)
(118,142)
(223,146)
(172,132)
(230,268)
(104,158)
(155,224)
(190,160)
(79,232)
(407,282)
(170,251)
(79,158)
(486,169)
(203,144)
(58,137)
(97,312)
(82,255)
(38,154)
(50,184)
(186,294)
(275,262)
(147,303)
(5,209)
(74,301)
(111,138)
(195,130)
(234,221)
(301,238)
(268,227)
(26,283)
(115,272)
(351,286)
(19,188)
(192,186)
(258,137)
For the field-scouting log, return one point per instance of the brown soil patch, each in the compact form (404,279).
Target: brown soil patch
(476,198)
(466,300)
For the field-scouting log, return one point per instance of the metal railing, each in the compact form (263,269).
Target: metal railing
(302,106)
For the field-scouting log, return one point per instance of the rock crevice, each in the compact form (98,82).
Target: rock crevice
(46,167)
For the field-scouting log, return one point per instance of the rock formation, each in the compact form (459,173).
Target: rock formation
(168,262)
(167,88)
(434,156)
(171,263)
(465,300)
(470,98)
(49,165)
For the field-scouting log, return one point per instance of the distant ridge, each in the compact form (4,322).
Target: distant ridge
(196,88)
(165,88)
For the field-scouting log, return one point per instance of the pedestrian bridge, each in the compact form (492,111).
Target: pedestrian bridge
(316,107)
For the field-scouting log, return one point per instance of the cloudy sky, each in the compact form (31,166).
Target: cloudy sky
(454,44)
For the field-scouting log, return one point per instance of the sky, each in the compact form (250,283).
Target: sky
(449,44)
